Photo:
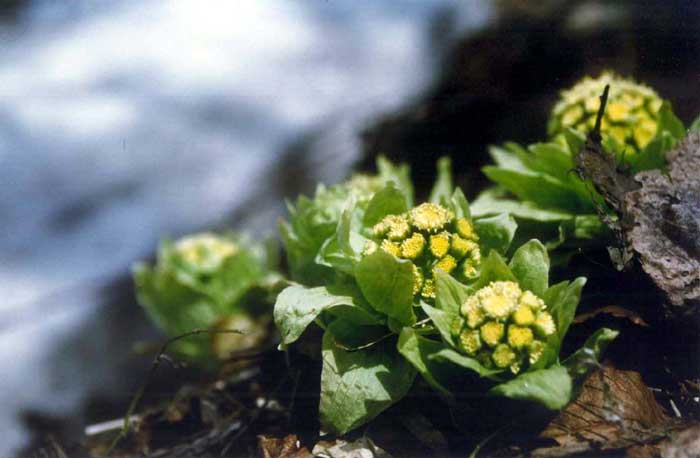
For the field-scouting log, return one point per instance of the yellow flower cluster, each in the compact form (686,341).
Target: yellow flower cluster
(432,238)
(205,251)
(631,114)
(503,326)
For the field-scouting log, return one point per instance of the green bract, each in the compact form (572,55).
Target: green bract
(205,281)
(538,185)
(382,260)
(508,327)
(312,221)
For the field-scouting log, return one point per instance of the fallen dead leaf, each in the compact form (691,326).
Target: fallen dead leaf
(285,447)
(615,311)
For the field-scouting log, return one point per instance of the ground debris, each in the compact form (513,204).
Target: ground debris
(286,447)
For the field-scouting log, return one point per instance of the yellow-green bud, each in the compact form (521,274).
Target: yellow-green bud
(536,349)
(465,229)
(391,248)
(472,312)
(395,227)
(470,341)
(523,315)
(468,269)
(412,247)
(440,244)
(492,333)
(456,326)
(459,247)
(370,247)
(544,324)
(498,306)
(430,217)
(503,356)
(446,264)
(529,299)
(205,251)
(417,279)
(428,291)
(519,337)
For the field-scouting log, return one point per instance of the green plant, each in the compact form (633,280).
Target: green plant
(383,263)
(206,281)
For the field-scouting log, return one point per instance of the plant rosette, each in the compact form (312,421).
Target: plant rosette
(507,327)
(385,256)
(208,281)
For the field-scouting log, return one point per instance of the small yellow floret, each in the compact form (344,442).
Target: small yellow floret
(430,217)
(532,301)
(397,227)
(498,306)
(616,111)
(523,315)
(468,269)
(412,247)
(519,337)
(391,248)
(536,349)
(509,289)
(492,333)
(205,250)
(465,229)
(503,356)
(470,341)
(446,264)
(544,324)
(370,247)
(456,326)
(428,290)
(440,244)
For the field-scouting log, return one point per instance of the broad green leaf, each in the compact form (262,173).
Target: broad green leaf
(562,300)
(530,265)
(297,306)
(357,386)
(669,121)
(388,201)
(459,204)
(400,175)
(506,159)
(551,158)
(495,232)
(588,357)
(493,268)
(350,336)
(450,294)
(550,387)
(416,350)
(442,320)
(590,227)
(545,190)
(387,284)
(447,354)
(695,125)
(493,201)
(442,189)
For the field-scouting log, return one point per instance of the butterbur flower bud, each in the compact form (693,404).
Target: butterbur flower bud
(205,251)
(422,236)
(510,324)
(631,116)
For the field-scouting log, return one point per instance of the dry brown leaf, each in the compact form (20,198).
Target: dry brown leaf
(614,407)
(615,311)
(285,447)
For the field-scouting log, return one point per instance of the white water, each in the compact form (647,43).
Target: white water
(124,121)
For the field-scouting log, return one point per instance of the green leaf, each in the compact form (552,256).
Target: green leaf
(588,357)
(298,306)
(442,320)
(562,300)
(459,204)
(668,121)
(442,189)
(400,175)
(387,284)
(357,386)
(450,294)
(550,387)
(447,354)
(590,227)
(417,351)
(550,158)
(506,158)
(695,125)
(492,201)
(388,201)
(495,232)
(350,336)
(530,265)
(493,268)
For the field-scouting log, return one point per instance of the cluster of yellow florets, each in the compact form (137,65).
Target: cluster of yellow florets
(205,251)
(503,326)
(432,238)
(631,114)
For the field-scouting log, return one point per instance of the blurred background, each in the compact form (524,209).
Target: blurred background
(122,122)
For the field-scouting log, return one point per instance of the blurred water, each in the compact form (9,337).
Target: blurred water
(124,121)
